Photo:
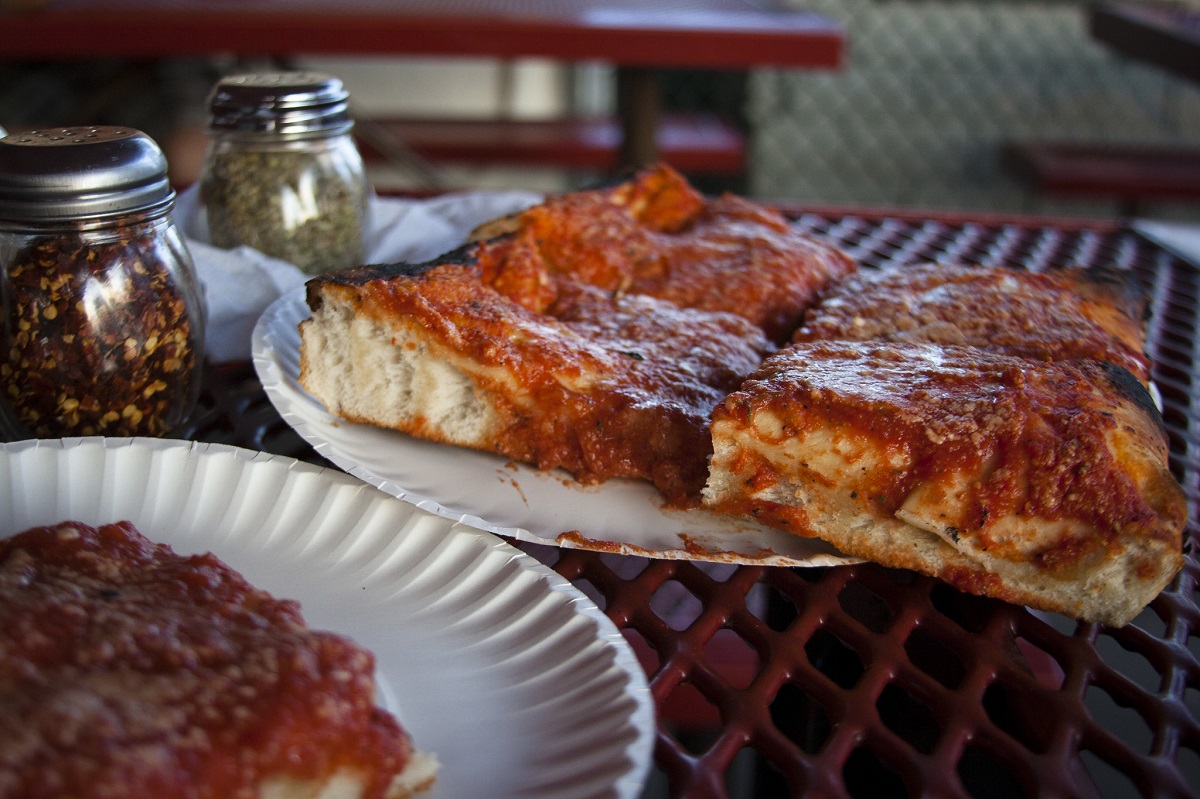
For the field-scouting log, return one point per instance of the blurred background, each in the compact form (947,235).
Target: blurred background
(930,94)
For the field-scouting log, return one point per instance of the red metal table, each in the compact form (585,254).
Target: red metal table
(862,681)
(637,35)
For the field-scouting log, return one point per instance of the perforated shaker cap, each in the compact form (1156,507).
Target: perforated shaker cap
(286,104)
(84,173)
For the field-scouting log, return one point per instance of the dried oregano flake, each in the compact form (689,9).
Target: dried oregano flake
(303,207)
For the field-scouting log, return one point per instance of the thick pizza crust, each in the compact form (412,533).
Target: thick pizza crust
(419,775)
(599,386)
(1039,483)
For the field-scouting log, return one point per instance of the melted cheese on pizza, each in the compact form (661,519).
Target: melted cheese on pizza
(594,332)
(1056,315)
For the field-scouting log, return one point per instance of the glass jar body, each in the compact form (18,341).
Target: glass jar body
(102,330)
(304,201)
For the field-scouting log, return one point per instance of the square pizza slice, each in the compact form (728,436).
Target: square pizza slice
(1043,483)
(130,670)
(566,376)
(1055,314)
(655,234)
(594,332)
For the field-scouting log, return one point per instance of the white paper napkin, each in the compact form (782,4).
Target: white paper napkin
(240,283)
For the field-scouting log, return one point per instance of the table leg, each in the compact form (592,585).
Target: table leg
(639,109)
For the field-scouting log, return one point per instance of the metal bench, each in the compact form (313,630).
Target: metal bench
(1131,175)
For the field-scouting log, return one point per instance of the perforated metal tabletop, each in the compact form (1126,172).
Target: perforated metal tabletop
(864,681)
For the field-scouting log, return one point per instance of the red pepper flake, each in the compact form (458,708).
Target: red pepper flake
(98,339)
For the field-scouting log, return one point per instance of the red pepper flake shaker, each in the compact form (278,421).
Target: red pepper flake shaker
(102,326)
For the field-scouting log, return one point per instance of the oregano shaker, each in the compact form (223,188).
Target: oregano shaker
(102,331)
(282,173)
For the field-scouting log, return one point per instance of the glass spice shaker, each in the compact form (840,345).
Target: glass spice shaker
(282,173)
(102,330)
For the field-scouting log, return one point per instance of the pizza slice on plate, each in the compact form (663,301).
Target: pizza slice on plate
(1042,483)
(594,333)
(1056,314)
(127,669)
(602,387)
(654,234)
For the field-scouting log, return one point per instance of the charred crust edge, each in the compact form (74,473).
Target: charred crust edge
(358,276)
(1130,388)
(1111,284)
(361,275)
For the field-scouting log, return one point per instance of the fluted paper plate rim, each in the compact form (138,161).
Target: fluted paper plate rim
(514,500)
(513,677)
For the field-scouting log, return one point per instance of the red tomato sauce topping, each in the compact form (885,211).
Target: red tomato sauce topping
(127,670)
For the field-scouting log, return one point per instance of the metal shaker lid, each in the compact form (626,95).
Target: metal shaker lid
(63,174)
(286,104)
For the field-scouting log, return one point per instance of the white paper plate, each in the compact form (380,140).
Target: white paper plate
(514,678)
(504,497)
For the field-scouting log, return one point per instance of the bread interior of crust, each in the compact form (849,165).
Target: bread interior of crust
(831,469)
(385,374)
(419,774)
(940,508)
(817,476)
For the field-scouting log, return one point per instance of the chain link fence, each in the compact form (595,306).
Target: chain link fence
(916,117)
(929,92)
